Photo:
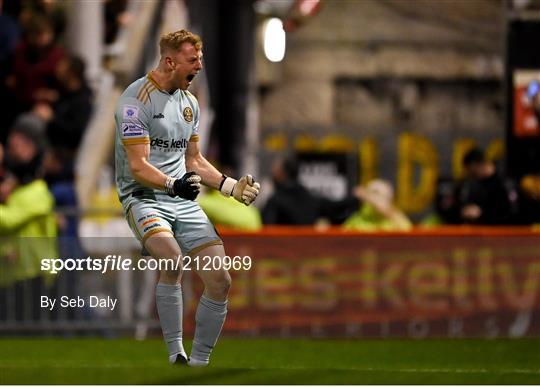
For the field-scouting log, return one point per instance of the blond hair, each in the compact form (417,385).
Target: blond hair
(174,40)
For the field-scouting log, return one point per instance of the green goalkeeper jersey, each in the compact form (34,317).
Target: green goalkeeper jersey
(145,114)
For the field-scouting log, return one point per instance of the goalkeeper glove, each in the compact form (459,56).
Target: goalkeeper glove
(187,187)
(244,190)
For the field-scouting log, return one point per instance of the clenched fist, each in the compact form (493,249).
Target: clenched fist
(244,190)
(187,187)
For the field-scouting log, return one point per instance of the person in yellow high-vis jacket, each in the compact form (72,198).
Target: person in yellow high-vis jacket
(377,213)
(27,228)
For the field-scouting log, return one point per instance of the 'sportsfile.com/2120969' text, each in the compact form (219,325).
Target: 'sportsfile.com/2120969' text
(114,262)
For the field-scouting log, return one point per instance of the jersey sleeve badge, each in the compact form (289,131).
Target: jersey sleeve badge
(188,114)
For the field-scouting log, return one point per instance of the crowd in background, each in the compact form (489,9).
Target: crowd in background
(45,97)
(44,93)
(47,105)
(47,102)
(483,196)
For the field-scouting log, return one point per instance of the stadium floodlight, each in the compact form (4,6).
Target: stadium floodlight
(274,40)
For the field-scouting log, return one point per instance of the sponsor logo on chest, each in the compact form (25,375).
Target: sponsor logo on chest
(169,145)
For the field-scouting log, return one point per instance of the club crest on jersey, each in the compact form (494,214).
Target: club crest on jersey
(188,114)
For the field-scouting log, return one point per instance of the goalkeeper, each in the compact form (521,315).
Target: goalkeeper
(159,169)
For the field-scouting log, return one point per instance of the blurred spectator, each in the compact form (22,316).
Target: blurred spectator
(27,226)
(293,204)
(529,198)
(444,203)
(24,152)
(66,114)
(50,9)
(482,198)
(377,211)
(34,65)
(9,37)
(31,121)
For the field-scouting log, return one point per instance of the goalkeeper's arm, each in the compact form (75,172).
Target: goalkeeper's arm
(244,190)
(187,187)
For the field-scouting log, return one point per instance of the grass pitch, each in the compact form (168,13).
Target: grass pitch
(274,361)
